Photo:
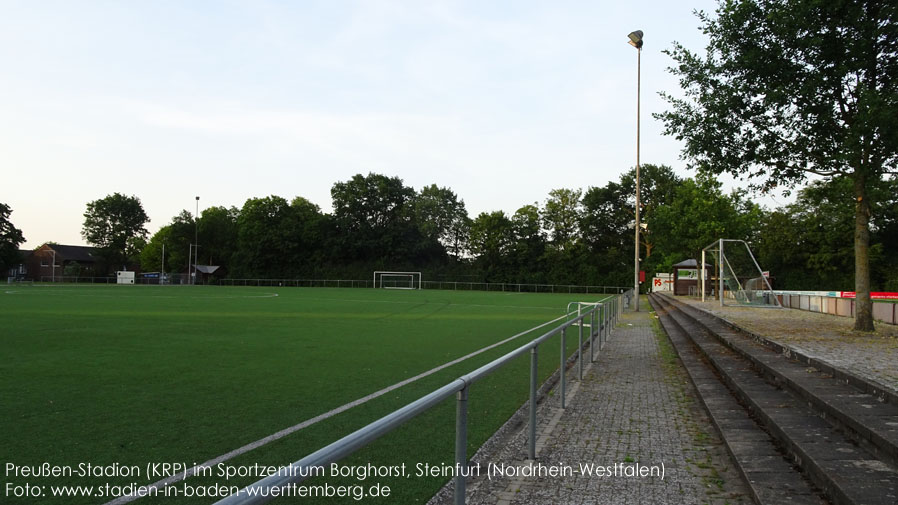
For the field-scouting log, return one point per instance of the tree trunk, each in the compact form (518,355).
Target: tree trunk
(863,319)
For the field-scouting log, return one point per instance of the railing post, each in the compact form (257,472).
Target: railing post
(580,350)
(615,315)
(461,444)
(592,334)
(561,369)
(533,377)
(607,324)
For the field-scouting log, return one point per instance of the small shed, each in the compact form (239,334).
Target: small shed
(206,273)
(686,277)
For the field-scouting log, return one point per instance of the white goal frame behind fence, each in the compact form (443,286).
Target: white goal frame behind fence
(413,284)
(737,290)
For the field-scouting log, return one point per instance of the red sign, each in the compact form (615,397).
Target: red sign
(657,281)
(642,276)
(876,295)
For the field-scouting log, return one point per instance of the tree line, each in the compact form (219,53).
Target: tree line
(574,236)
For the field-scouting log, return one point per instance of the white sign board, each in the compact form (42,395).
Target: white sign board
(687,273)
(124,277)
(662,283)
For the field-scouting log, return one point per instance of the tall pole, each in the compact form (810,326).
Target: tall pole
(638,87)
(196,234)
(636,41)
(162,275)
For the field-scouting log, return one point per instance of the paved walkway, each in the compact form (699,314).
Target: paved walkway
(635,411)
(872,356)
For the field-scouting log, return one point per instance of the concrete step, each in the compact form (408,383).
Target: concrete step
(867,420)
(770,477)
(824,447)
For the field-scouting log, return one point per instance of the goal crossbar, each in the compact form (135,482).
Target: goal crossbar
(413,280)
(738,274)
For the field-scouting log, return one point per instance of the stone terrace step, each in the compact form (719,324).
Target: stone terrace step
(848,474)
(869,421)
(770,477)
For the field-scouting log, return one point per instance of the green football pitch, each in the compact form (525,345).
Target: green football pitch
(131,375)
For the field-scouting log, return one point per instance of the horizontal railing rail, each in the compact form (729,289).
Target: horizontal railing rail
(184,279)
(447,285)
(602,318)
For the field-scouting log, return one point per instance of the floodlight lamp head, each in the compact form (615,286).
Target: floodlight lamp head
(636,39)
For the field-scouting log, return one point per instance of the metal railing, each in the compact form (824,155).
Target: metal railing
(183,279)
(601,319)
(447,285)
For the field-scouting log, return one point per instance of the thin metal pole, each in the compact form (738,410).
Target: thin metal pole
(702,274)
(636,264)
(461,444)
(720,272)
(196,234)
(561,368)
(603,330)
(533,376)
(580,350)
(592,334)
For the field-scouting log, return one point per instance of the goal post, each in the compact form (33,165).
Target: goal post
(397,280)
(740,280)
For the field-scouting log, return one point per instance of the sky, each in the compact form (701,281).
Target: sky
(501,101)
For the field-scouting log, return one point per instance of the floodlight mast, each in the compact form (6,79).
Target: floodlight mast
(196,234)
(636,41)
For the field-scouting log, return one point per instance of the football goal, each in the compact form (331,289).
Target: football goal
(740,280)
(397,280)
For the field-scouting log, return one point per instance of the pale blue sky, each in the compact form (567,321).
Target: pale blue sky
(165,100)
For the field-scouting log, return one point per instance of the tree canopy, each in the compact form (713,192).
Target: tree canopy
(789,88)
(10,238)
(116,225)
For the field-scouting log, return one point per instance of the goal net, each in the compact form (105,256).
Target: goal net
(397,280)
(736,276)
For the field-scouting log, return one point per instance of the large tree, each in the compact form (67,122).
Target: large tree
(657,186)
(561,215)
(491,242)
(529,244)
(266,237)
(803,244)
(217,229)
(10,238)
(699,214)
(113,224)
(151,256)
(790,88)
(440,215)
(374,215)
(176,238)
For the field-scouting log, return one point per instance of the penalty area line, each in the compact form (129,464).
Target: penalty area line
(321,417)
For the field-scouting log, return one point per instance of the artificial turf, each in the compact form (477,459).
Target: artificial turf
(141,374)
